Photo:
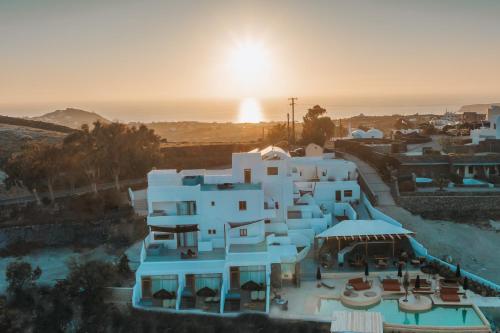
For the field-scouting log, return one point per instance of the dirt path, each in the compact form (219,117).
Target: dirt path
(476,249)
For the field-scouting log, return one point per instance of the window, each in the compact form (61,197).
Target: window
(247,175)
(347,193)
(243,232)
(338,196)
(277,205)
(471,169)
(212,231)
(243,205)
(213,203)
(266,221)
(272,171)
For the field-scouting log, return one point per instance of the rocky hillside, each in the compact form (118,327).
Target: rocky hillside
(15,132)
(73,118)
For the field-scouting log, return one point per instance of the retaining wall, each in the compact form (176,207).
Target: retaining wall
(452,206)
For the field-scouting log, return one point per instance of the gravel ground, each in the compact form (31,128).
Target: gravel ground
(477,249)
(53,262)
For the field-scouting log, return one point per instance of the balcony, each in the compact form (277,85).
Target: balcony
(164,219)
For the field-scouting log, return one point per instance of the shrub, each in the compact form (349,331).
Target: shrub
(457,179)
(406,186)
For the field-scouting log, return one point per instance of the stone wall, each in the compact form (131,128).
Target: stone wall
(456,206)
(82,234)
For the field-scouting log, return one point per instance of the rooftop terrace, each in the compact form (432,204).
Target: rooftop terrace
(230,187)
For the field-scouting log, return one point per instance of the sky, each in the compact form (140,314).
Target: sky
(59,53)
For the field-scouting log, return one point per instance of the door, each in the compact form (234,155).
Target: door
(190,281)
(248,176)
(146,287)
(235,277)
(338,196)
(187,239)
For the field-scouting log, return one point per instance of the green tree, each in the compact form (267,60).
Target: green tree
(277,134)
(317,127)
(20,275)
(37,166)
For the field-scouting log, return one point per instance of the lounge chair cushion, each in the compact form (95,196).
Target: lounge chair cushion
(450,297)
(391,286)
(449,290)
(356,280)
(360,286)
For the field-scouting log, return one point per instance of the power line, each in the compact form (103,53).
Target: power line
(293,99)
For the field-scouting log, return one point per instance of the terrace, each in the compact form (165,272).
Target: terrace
(249,290)
(159,252)
(202,292)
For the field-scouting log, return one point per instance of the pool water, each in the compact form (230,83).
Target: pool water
(423,180)
(472,181)
(438,316)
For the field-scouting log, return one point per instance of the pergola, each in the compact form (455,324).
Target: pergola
(365,231)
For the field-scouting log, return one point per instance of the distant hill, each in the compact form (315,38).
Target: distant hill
(14,136)
(479,108)
(73,118)
(35,124)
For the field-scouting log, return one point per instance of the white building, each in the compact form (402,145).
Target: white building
(218,238)
(491,132)
(372,133)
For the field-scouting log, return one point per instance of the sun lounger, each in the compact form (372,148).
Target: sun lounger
(358,284)
(169,303)
(450,297)
(391,285)
(449,290)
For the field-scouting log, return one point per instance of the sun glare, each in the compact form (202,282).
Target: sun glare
(249,62)
(250,111)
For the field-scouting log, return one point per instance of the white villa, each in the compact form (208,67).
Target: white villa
(491,132)
(217,238)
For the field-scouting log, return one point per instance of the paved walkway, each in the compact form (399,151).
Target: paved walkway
(383,192)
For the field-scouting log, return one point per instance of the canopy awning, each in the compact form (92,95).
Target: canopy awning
(241,224)
(365,230)
(177,229)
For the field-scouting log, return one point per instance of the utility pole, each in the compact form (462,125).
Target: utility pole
(288,128)
(292,103)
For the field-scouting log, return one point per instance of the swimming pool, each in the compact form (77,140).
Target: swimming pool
(423,180)
(473,182)
(464,316)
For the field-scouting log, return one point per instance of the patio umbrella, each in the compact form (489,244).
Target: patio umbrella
(466,286)
(457,272)
(367,272)
(318,274)
(163,294)
(464,315)
(205,292)
(417,282)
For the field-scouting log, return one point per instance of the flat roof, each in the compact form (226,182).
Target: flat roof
(233,187)
(363,228)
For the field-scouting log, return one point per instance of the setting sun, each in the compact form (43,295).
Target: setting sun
(250,111)
(249,62)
